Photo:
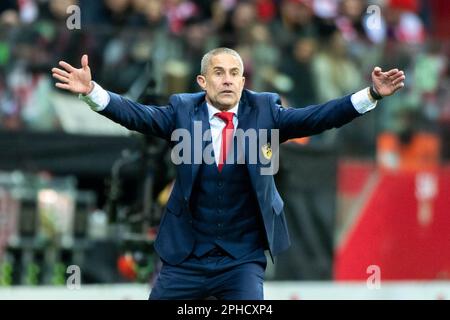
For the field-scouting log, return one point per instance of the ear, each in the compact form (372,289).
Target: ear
(201,81)
(243,81)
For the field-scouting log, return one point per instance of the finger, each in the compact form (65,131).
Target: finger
(397,75)
(391,72)
(60,78)
(399,86)
(60,72)
(84,61)
(377,70)
(64,86)
(398,80)
(66,66)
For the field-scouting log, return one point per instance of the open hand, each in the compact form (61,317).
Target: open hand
(387,83)
(72,79)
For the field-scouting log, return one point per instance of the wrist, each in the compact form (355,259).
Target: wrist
(370,96)
(374,94)
(90,88)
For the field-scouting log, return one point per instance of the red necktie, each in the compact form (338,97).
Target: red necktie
(227,136)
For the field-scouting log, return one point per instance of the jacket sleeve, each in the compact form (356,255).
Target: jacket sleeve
(150,120)
(314,119)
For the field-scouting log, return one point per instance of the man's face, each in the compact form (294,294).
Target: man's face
(223,81)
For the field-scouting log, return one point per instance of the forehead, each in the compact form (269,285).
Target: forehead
(225,61)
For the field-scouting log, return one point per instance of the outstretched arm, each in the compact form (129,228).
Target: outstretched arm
(295,123)
(153,120)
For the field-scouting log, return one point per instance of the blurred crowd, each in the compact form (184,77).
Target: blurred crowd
(308,51)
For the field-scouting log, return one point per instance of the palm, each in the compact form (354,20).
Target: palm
(387,83)
(72,79)
(79,80)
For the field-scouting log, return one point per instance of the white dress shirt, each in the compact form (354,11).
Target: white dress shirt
(217,126)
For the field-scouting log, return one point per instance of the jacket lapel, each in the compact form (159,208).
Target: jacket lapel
(247,120)
(199,125)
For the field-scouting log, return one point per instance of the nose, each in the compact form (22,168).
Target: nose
(227,79)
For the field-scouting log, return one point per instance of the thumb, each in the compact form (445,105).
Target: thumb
(84,61)
(377,71)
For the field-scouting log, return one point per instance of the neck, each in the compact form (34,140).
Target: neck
(219,106)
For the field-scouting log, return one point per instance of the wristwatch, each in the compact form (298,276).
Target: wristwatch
(374,94)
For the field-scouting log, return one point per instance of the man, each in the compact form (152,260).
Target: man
(221,216)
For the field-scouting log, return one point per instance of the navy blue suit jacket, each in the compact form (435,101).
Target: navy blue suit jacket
(175,240)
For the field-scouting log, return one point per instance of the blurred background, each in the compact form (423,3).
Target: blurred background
(366,203)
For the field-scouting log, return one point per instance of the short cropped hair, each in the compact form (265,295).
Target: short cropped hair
(214,52)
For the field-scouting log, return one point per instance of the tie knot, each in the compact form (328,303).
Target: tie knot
(225,116)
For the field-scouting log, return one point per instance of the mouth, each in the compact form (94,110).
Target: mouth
(227,92)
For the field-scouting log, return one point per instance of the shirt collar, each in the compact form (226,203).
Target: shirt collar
(213,110)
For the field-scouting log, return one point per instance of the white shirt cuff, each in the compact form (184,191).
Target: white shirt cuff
(98,99)
(362,102)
